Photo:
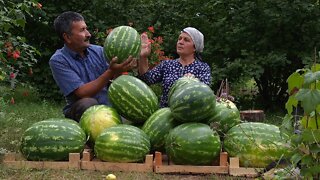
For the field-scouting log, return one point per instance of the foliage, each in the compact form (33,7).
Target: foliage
(304,90)
(17,56)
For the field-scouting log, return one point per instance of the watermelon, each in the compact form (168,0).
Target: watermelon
(96,118)
(122,143)
(52,139)
(157,127)
(122,42)
(181,82)
(192,103)
(224,116)
(256,144)
(193,144)
(132,98)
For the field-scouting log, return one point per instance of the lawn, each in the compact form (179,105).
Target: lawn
(28,109)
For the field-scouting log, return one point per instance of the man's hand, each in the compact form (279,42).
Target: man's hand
(127,65)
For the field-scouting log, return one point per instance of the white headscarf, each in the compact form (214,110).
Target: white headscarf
(197,38)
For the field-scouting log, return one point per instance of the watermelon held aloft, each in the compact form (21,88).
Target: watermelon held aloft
(257,144)
(158,126)
(193,144)
(96,118)
(52,139)
(194,102)
(122,42)
(132,98)
(122,143)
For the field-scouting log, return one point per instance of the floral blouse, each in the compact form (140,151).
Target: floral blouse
(168,71)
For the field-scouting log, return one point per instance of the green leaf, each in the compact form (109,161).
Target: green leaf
(292,102)
(310,99)
(296,158)
(311,77)
(311,135)
(295,80)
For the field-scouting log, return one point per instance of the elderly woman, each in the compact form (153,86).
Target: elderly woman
(189,46)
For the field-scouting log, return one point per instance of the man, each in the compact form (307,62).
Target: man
(80,68)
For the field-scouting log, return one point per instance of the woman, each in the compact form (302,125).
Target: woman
(189,46)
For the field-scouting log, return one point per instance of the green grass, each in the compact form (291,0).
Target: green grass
(16,118)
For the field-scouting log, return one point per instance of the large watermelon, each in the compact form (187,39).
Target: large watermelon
(122,143)
(193,144)
(158,126)
(224,116)
(97,118)
(122,42)
(132,98)
(256,144)
(52,139)
(181,82)
(192,103)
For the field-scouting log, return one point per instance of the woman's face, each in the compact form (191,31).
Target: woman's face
(185,45)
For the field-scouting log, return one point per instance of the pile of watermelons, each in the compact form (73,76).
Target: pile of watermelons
(193,130)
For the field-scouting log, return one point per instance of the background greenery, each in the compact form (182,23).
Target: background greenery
(260,41)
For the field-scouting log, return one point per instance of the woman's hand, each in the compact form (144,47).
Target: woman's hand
(145,46)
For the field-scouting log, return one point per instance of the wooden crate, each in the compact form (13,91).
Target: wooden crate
(89,162)
(236,170)
(15,160)
(162,165)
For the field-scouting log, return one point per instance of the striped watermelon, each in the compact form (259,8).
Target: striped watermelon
(52,139)
(132,98)
(157,127)
(122,143)
(193,144)
(192,103)
(122,42)
(256,144)
(97,118)
(181,82)
(224,116)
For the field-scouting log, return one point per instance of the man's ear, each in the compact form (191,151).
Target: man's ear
(66,37)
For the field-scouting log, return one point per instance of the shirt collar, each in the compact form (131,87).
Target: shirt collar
(74,54)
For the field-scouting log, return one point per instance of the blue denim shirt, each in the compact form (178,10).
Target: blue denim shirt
(168,71)
(70,71)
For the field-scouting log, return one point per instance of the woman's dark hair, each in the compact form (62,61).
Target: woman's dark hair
(63,23)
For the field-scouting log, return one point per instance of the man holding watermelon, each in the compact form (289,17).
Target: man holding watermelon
(79,68)
(189,46)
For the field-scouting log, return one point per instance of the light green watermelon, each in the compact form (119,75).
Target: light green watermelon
(96,118)
(122,143)
(194,102)
(122,42)
(224,116)
(256,144)
(132,98)
(52,139)
(193,144)
(158,126)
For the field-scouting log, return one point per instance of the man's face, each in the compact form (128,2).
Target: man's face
(78,39)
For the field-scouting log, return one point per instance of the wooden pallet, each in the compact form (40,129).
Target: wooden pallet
(162,165)
(89,162)
(236,170)
(15,160)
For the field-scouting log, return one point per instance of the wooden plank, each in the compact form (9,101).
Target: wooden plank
(88,162)
(160,166)
(14,160)
(236,170)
